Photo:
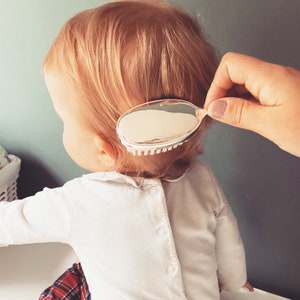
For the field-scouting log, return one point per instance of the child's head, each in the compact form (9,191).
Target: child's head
(125,53)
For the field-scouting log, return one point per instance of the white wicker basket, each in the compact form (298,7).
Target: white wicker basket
(8,179)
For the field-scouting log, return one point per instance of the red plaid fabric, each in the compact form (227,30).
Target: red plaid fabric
(71,285)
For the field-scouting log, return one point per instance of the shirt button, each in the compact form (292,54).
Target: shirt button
(162,231)
(171,269)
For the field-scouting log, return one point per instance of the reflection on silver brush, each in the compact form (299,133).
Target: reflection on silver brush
(158,126)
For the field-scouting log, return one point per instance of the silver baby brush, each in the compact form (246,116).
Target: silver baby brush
(158,126)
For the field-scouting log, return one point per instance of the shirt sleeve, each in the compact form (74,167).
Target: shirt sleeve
(229,246)
(44,217)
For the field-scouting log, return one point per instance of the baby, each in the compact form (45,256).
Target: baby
(149,227)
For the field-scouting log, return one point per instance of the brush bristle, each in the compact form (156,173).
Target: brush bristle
(152,152)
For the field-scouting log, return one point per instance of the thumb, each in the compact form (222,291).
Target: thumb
(238,112)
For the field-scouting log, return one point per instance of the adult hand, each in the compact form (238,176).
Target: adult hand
(259,96)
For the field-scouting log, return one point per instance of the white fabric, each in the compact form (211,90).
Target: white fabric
(137,238)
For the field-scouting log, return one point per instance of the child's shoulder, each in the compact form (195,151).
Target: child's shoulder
(200,170)
(204,182)
(100,186)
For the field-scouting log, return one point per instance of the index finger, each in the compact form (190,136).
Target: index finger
(238,69)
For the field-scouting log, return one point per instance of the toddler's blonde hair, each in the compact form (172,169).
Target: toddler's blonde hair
(125,53)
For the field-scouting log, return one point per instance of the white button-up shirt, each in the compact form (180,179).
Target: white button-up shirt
(138,238)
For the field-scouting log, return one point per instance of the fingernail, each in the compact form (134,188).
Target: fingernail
(217,109)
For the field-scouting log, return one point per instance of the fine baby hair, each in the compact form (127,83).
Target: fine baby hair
(126,53)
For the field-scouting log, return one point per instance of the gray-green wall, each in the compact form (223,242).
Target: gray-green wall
(261,182)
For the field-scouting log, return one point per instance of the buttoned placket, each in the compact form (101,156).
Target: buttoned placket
(165,236)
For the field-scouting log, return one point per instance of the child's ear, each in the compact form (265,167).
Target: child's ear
(105,154)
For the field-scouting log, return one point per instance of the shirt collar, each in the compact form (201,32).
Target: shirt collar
(121,178)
